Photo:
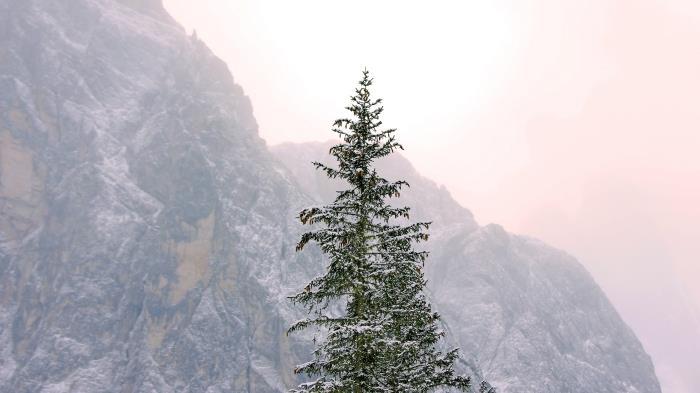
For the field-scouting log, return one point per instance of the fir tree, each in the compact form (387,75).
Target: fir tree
(385,339)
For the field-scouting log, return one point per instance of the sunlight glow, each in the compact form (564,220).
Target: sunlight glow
(430,59)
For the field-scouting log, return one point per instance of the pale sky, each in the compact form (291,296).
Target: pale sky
(576,122)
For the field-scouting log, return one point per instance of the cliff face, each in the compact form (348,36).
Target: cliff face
(533,316)
(145,229)
(529,316)
(147,234)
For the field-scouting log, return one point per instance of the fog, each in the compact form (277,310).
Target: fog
(573,122)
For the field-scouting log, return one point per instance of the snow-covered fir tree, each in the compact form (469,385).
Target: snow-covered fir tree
(386,337)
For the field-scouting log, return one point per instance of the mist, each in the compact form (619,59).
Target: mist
(572,122)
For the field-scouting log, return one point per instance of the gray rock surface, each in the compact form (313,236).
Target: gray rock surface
(147,233)
(529,316)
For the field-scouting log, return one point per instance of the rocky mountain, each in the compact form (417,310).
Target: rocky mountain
(531,316)
(147,233)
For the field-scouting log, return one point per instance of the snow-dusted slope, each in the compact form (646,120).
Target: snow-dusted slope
(145,231)
(530,316)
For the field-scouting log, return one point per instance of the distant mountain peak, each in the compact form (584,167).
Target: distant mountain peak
(145,6)
(528,315)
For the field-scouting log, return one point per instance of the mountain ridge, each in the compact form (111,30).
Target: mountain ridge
(514,303)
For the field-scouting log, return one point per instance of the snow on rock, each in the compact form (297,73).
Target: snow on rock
(153,257)
(528,316)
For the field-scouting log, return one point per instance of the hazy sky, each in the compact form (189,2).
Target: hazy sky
(577,122)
